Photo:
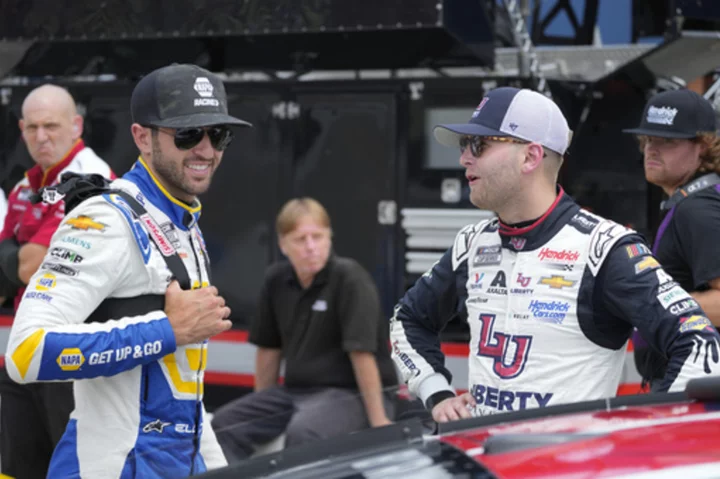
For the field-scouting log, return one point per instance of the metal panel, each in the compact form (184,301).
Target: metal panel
(120,19)
(240,207)
(344,157)
(116,36)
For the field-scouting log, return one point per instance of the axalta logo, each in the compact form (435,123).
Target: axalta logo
(70,359)
(567,256)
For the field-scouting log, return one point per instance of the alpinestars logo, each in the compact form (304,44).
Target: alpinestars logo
(205,89)
(156,426)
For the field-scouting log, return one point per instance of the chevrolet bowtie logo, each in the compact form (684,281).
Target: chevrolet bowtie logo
(557,282)
(85,223)
(648,262)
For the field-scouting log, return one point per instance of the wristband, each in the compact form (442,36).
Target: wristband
(437,398)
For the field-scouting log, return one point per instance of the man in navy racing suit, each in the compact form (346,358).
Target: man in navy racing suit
(110,317)
(551,292)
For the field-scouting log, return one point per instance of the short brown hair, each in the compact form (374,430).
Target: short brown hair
(293,210)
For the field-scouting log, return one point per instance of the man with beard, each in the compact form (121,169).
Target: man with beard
(681,154)
(127,312)
(550,292)
(33,416)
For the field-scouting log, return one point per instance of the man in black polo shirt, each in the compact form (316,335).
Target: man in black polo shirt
(321,314)
(681,149)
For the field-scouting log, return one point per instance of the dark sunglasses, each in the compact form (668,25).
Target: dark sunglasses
(478,144)
(187,138)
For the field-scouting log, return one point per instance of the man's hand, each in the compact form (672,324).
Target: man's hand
(195,315)
(453,408)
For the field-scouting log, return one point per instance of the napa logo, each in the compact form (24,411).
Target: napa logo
(70,359)
(46,282)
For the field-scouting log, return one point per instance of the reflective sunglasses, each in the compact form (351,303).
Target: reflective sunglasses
(478,144)
(187,138)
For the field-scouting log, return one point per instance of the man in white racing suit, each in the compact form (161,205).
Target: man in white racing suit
(112,317)
(550,292)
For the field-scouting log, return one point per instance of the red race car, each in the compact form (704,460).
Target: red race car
(646,436)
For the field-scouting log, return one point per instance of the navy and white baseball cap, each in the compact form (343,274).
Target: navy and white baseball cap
(676,114)
(512,112)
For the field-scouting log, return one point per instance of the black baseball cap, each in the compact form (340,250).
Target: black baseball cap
(181,96)
(676,114)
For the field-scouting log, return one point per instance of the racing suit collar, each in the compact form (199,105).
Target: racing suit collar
(39,178)
(541,230)
(183,215)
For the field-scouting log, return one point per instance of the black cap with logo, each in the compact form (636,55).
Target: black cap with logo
(676,114)
(181,96)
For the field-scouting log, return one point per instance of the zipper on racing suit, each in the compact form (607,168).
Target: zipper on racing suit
(201,365)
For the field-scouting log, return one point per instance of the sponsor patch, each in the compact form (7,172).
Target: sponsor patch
(60,269)
(85,223)
(24,194)
(65,254)
(549,311)
(161,241)
(486,255)
(46,282)
(637,249)
(518,243)
(70,359)
(171,234)
(648,263)
(683,307)
(476,280)
(556,281)
(583,222)
(461,248)
(602,240)
(499,400)
(155,426)
(320,305)
(564,256)
(76,241)
(695,323)
(523,281)
(673,295)
(409,364)
(38,295)
(499,284)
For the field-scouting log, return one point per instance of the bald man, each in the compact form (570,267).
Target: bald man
(33,417)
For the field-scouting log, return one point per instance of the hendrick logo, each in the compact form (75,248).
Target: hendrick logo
(568,256)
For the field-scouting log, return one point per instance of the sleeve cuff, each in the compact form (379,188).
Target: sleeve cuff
(168,334)
(433,384)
